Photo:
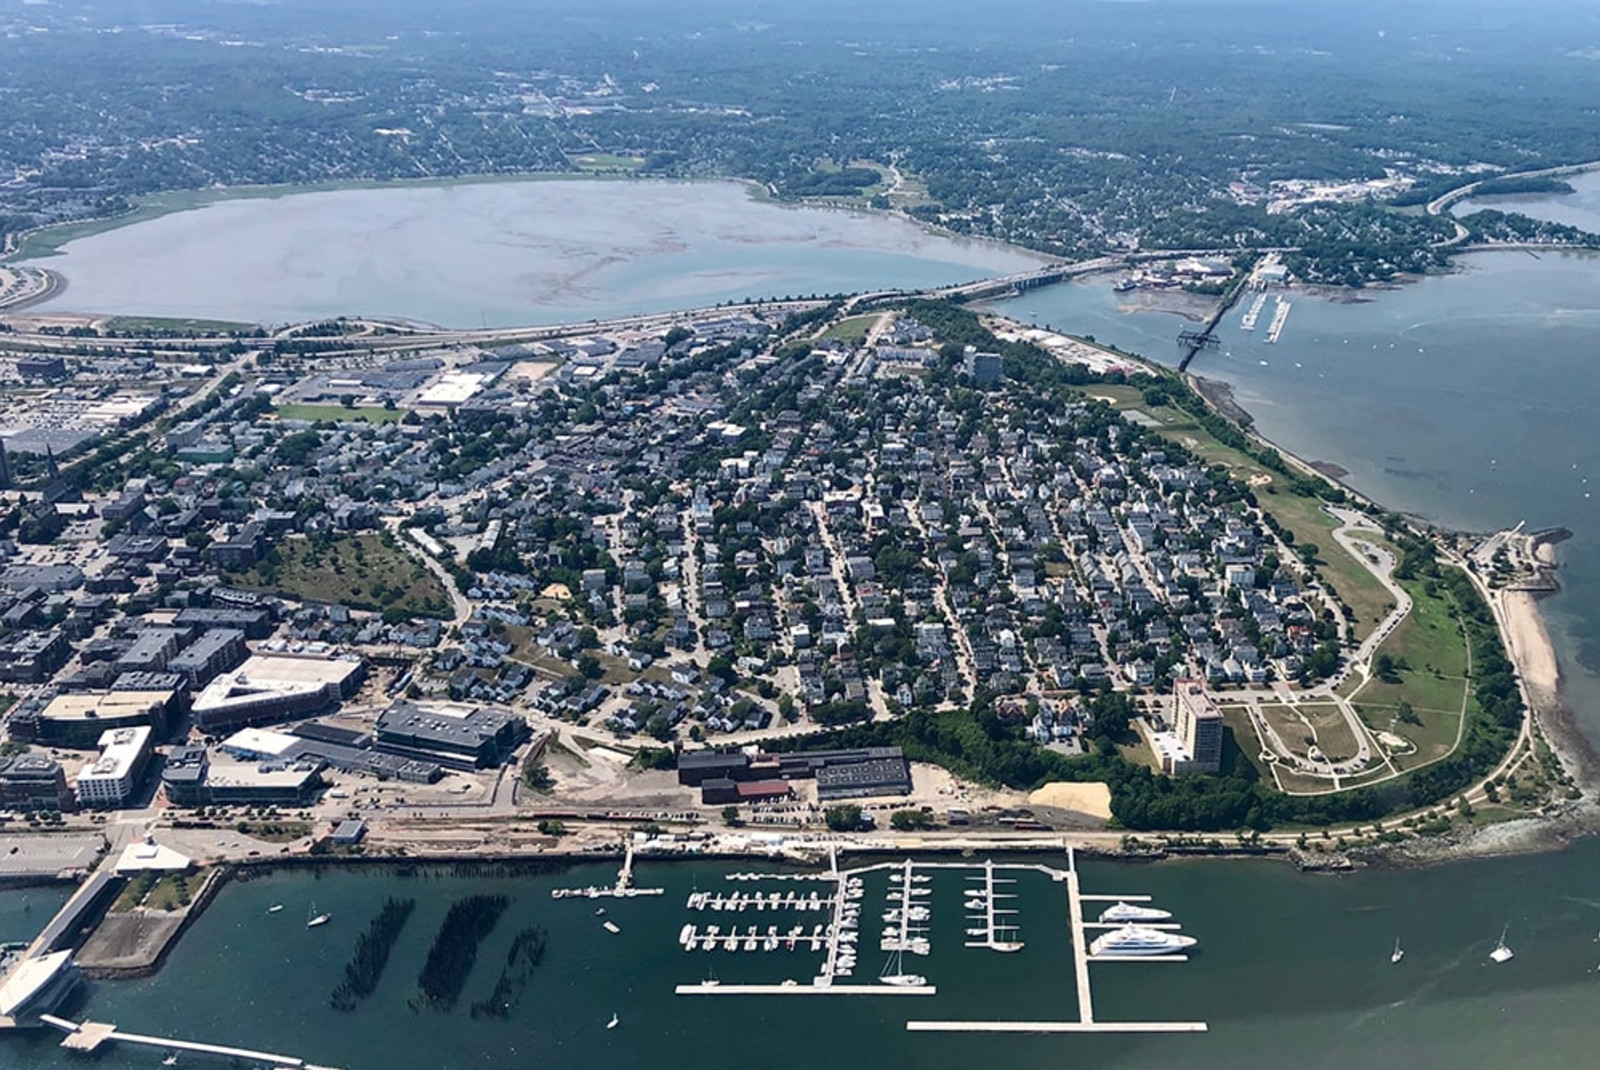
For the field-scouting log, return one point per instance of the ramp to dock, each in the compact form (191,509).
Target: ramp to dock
(89,1037)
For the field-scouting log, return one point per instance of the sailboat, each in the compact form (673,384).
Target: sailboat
(313,919)
(1398,953)
(613,1023)
(894,972)
(1501,952)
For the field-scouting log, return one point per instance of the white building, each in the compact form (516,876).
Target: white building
(111,779)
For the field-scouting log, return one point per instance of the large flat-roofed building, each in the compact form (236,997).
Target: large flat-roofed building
(192,777)
(275,687)
(214,652)
(1197,726)
(78,719)
(34,782)
(152,649)
(32,657)
(451,734)
(858,772)
(889,775)
(255,623)
(111,779)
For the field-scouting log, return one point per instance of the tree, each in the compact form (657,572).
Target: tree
(537,776)
(910,820)
(347,401)
(846,817)
(730,816)
(590,666)
(550,827)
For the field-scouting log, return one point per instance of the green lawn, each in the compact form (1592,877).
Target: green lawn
(367,571)
(1430,646)
(852,330)
(1327,725)
(169,892)
(372,414)
(172,325)
(601,161)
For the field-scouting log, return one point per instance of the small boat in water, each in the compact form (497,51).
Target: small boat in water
(1501,952)
(613,1023)
(610,927)
(313,919)
(275,908)
(1398,953)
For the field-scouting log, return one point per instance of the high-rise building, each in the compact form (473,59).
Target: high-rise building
(1197,722)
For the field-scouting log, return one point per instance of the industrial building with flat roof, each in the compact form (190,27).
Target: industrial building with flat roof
(453,735)
(111,779)
(274,687)
(858,772)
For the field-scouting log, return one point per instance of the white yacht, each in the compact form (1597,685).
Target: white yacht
(1133,940)
(894,974)
(313,919)
(1397,954)
(1121,913)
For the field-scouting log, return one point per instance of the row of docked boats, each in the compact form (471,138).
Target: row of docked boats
(1134,935)
(713,937)
(738,901)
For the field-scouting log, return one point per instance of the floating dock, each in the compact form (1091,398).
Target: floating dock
(1248,323)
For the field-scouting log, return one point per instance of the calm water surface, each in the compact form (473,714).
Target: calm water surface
(501,254)
(1288,962)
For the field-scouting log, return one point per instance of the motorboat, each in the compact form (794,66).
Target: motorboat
(1122,913)
(275,908)
(613,1023)
(1397,954)
(314,920)
(1133,940)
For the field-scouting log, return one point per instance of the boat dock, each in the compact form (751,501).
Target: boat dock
(623,889)
(90,1037)
(903,923)
(993,936)
(1082,957)
(1280,316)
(812,989)
(1253,313)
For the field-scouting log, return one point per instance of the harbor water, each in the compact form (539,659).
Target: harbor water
(1286,962)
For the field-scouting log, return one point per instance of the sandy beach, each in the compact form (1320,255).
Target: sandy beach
(1529,642)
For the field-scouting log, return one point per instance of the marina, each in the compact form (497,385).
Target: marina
(1280,316)
(1248,321)
(1130,932)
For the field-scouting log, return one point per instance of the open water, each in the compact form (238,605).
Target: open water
(498,254)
